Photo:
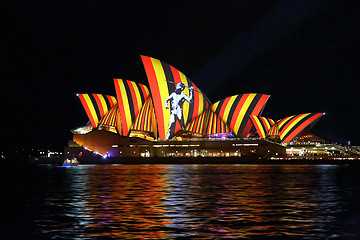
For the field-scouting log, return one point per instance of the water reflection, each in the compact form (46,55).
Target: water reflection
(193,201)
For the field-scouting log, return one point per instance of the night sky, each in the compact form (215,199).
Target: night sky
(303,53)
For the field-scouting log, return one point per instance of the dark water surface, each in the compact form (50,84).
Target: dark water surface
(181,202)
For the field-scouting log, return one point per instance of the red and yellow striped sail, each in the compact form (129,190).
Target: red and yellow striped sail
(273,131)
(146,120)
(208,123)
(131,97)
(235,111)
(291,126)
(215,124)
(110,118)
(163,79)
(198,124)
(96,106)
(261,124)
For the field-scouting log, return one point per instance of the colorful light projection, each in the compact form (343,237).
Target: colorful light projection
(287,128)
(177,100)
(96,106)
(131,96)
(235,111)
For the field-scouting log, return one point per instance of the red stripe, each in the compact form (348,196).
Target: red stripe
(177,127)
(247,128)
(237,111)
(150,72)
(124,127)
(87,110)
(100,106)
(176,75)
(260,105)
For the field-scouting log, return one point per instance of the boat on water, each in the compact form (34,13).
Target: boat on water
(70,162)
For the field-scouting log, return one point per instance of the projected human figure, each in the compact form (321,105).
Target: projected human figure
(177,98)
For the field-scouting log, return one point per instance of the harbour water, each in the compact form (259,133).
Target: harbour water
(181,202)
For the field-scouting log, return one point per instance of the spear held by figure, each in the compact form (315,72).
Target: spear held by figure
(184,86)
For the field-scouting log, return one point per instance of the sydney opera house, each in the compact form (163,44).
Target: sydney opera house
(172,117)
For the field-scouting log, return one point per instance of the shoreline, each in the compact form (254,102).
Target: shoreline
(203,160)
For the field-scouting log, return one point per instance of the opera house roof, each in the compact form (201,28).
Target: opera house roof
(173,104)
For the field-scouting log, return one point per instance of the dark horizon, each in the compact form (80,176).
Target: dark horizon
(301,53)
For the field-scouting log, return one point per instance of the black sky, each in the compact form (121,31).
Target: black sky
(303,53)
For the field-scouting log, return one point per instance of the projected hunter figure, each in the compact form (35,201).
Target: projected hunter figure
(177,98)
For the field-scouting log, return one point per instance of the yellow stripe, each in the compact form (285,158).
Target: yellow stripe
(125,100)
(164,91)
(91,108)
(242,112)
(228,107)
(259,126)
(293,124)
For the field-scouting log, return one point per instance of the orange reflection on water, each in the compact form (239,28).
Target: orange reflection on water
(205,201)
(124,201)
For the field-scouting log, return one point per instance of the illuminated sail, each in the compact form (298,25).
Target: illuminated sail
(273,132)
(291,126)
(208,123)
(215,124)
(96,106)
(262,124)
(176,105)
(235,111)
(198,124)
(110,118)
(131,97)
(146,120)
